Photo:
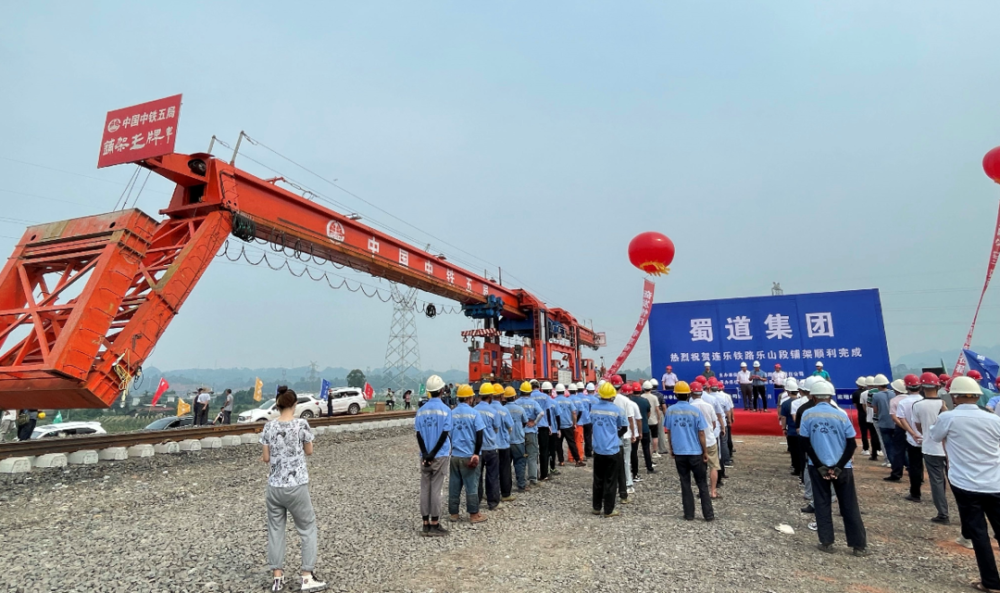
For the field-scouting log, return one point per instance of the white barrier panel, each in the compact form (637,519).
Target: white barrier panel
(51,460)
(190,445)
(86,457)
(230,440)
(249,438)
(113,454)
(211,443)
(141,451)
(167,448)
(15,465)
(318,430)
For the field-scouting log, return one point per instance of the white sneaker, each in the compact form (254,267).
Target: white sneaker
(309,583)
(887,464)
(630,491)
(964,542)
(656,455)
(865,452)
(278,584)
(637,479)
(812,525)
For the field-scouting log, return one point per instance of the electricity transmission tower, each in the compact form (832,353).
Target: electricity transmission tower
(402,355)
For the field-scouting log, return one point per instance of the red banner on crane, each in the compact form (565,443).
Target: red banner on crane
(994,255)
(648,288)
(140,132)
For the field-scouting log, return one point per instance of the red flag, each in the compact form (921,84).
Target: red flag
(369,392)
(647,303)
(163,386)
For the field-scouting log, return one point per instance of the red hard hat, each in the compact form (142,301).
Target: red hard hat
(913,380)
(616,380)
(947,386)
(974,375)
(626,389)
(697,387)
(636,386)
(927,379)
(701,379)
(713,381)
(944,378)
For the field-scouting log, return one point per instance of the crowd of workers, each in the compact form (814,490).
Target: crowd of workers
(500,437)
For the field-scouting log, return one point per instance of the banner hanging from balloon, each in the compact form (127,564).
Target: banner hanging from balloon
(960,366)
(648,288)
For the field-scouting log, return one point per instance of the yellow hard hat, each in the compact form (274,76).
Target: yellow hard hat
(607,391)
(486,389)
(509,392)
(41,415)
(526,387)
(465,391)
(498,389)
(682,387)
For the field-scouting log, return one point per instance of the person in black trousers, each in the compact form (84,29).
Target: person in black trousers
(644,409)
(860,400)
(685,427)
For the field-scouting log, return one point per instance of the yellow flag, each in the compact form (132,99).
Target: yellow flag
(182,408)
(257,387)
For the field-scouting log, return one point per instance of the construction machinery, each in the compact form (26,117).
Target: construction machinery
(84,301)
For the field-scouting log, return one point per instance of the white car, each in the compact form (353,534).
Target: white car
(347,400)
(67,429)
(307,407)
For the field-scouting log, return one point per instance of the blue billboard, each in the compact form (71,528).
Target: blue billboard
(843,330)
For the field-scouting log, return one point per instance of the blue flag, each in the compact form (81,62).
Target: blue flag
(324,389)
(986,366)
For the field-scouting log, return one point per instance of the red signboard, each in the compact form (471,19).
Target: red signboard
(140,132)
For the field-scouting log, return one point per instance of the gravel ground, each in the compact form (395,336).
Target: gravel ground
(194,522)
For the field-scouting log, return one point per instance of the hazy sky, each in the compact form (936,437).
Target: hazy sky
(824,145)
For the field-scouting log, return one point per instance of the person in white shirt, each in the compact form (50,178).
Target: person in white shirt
(925,415)
(778,378)
(711,435)
(709,396)
(625,485)
(668,380)
(7,419)
(971,439)
(904,416)
(204,397)
(746,385)
(727,403)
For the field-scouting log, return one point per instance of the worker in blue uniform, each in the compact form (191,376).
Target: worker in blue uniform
(609,425)
(489,478)
(503,443)
(535,415)
(545,428)
(466,447)
(519,422)
(432,424)
(567,424)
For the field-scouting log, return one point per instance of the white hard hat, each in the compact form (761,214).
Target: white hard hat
(590,387)
(861,382)
(791,385)
(647,386)
(898,386)
(560,387)
(822,388)
(881,379)
(806,384)
(870,381)
(819,363)
(743,365)
(708,364)
(965,386)
(434,383)
(547,386)
(654,382)
(756,363)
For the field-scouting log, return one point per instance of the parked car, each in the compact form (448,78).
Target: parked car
(348,400)
(306,407)
(67,429)
(170,422)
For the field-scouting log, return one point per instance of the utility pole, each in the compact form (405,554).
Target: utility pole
(776,289)
(402,354)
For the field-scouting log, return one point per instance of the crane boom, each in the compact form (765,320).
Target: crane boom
(84,301)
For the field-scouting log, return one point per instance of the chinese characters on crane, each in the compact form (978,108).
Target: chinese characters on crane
(140,132)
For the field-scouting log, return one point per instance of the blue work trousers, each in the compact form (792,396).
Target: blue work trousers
(463,476)
(519,456)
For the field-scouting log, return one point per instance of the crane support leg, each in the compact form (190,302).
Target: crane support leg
(83,301)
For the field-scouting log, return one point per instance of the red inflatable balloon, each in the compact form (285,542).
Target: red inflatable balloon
(991,164)
(651,252)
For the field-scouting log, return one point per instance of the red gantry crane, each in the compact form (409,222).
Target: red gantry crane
(83,301)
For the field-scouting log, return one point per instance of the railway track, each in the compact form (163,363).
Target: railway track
(152,437)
